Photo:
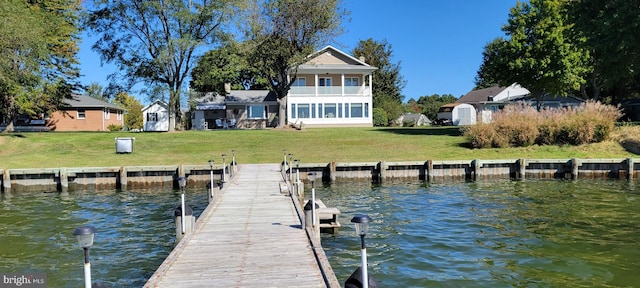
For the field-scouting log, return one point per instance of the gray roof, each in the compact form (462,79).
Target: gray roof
(250,96)
(82,101)
(415,117)
(480,95)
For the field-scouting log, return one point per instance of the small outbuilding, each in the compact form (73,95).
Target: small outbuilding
(156,117)
(459,114)
(413,119)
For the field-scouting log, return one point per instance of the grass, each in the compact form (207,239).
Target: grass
(97,149)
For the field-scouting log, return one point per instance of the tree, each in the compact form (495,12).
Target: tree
(156,41)
(539,54)
(95,90)
(610,32)
(38,47)
(388,82)
(227,64)
(283,33)
(431,104)
(133,117)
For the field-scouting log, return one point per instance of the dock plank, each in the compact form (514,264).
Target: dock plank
(251,238)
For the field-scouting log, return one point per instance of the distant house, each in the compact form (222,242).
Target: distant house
(413,119)
(84,113)
(248,109)
(156,117)
(458,114)
(490,100)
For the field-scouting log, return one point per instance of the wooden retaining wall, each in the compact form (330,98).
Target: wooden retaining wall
(102,178)
(131,177)
(472,170)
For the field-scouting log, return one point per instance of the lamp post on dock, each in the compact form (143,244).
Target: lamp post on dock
(290,162)
(362,225)
(211,170)
(85,240)
(182,182)
(284,163)
(233,162)
(297,162)
(224,166)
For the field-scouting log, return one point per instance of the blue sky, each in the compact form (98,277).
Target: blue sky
(439,44)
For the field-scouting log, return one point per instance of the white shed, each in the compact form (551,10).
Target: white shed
(156,116)
(459,114)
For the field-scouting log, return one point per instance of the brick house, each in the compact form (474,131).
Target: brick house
(84,113)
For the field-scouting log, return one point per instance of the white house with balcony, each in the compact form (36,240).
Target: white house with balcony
(331,89)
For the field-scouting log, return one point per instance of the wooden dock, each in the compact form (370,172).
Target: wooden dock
(251,238)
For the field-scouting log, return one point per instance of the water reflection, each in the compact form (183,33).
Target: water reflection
(491,234)
(135,233)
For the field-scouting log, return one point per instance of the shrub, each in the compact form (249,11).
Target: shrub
(519,125)
(113,127)
(380,117)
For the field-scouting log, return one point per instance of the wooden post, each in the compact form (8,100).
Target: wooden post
(430,170)
(574,168)
(630,168)
(476,168)
(6,180)
(64,180)
(382,171)
(522,167)
(332,171)
(123,178)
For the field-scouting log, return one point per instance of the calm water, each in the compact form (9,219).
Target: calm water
(492,234)
(135,234)
(485,234)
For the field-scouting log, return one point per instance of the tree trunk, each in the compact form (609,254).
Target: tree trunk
(282,112)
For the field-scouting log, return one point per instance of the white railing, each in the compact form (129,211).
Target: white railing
(329,91)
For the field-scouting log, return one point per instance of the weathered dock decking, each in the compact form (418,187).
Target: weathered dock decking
(251,238)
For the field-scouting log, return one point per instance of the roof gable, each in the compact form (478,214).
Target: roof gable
(157,102)
(332,56)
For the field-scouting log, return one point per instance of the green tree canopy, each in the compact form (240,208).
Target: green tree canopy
(157,41)
(283,33)
(227,64)
(38,64)
(133,116)
(539,54)
(387,80)
(431,104)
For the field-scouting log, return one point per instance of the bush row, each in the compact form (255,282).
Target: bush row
(519,125)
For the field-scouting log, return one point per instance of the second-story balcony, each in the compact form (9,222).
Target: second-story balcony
(330,91)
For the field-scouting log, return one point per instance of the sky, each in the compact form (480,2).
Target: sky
(438,43)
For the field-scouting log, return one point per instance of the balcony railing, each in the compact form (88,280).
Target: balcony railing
(329,91)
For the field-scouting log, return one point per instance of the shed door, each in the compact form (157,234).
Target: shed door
(464,114)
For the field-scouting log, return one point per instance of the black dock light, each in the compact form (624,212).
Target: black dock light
(182,182)
(211,171)
(85,240)
(361,222)
(297,162)
(233,161)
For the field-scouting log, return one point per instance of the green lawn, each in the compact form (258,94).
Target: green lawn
(97,149)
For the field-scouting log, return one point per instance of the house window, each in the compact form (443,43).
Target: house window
(152,117)
(119,115)
(256,111)
(350,81)
(313,110)
(293,111)
(346,110)
(107,113)
(324,82)
(356,110)
(320,110)
(300,81)
(303,111)
(339,110)
(81,114)
(330,110)
(366,110)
